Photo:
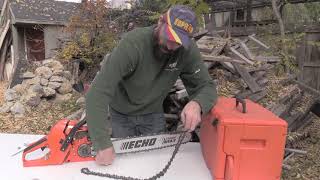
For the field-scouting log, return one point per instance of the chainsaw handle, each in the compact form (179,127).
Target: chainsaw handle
(38,144)
(243,103)
(70,136)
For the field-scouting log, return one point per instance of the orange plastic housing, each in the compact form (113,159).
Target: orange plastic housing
(242,146)
(53,141)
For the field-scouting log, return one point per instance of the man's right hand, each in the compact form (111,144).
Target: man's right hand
(105,156)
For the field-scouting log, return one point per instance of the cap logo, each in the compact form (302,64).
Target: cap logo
(183,25)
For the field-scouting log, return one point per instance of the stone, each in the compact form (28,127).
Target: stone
(67,75)
(44,72)
(44,82)
(28,75)
(17,109)
(49,92)
(56,79)
(20,88)
(65,87)
(38,89)
(32,99)
(6,107)
(53,64)
(35,80)
(58,73)
(54,85)
(62,98)
(11,95)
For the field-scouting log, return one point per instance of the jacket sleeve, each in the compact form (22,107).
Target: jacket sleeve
(197,80)
(119,64)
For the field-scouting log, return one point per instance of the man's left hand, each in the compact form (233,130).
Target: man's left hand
(191,115)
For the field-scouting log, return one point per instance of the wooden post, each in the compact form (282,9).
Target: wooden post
(3,59)
(249,12)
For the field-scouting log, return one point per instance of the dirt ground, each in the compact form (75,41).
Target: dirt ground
(40,120)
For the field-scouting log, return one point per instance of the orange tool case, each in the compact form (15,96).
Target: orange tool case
(241,140)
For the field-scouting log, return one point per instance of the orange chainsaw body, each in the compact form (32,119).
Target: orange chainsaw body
(54,141)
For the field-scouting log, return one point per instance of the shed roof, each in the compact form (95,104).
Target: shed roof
(42,11)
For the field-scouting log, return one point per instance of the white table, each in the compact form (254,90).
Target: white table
(187,165)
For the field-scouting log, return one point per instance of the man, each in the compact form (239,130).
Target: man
(138,75)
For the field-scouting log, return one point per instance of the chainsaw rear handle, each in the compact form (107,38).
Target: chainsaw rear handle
(243,103)
(45,160)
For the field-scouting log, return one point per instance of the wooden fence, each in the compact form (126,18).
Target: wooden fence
(308,56)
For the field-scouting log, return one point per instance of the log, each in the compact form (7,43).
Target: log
(264,67)
(285,104)
(301,119)
(241,56)
(263,82)
(307,88)
(288,80)
(295,151)
(269,59)
(205,44)
(220,59)
(288,157)
(247,78)
(289,105)
(244,94)
(258,96)
(228,66)
(251,37)
(237,46)
(198,35)
(220,44)
(246,50)
(258,75)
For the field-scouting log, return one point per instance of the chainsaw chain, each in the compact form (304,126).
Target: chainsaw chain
(158,175)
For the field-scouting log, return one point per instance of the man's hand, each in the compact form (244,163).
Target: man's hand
(191,115)
(105,157)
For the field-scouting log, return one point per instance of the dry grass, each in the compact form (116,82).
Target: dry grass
(3,87)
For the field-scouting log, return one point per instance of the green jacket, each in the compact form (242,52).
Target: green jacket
(134,82)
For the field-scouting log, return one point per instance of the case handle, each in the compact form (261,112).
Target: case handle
(243,102)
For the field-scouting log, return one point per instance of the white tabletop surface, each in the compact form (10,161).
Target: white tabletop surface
(187,165)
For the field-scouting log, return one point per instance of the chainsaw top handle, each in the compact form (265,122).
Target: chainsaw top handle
(70,136)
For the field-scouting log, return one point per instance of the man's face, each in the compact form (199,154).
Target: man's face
(166,46)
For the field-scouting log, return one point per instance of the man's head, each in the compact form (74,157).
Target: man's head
(175,28)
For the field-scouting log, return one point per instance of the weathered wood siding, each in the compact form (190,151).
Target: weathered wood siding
(308,55)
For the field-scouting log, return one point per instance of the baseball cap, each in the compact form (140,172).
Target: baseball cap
(180,22)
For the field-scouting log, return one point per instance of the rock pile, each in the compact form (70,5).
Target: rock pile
(49,81)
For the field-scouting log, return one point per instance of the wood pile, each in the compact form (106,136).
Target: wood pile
(240,71)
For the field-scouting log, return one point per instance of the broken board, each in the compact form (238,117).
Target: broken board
(187,165)
(211,45)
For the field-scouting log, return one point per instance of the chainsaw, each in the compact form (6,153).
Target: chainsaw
(69,141)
